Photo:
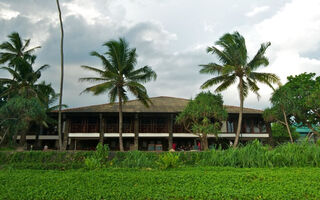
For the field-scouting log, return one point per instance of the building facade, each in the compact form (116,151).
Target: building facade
(146,128)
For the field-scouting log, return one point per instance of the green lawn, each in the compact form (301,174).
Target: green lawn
(183,183)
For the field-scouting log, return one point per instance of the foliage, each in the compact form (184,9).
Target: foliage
(17,114)
(231,51)
(182,183)
(119,76)
(198,115)
(168,160)
(280,133)
(299,98)
(134,159)
(15,49)
(99,157)
(252,155)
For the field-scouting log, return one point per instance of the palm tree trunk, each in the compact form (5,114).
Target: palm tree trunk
(61,77)
(287,125)
(120,122)
(236,141)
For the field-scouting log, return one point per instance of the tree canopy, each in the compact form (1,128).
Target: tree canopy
(204,115)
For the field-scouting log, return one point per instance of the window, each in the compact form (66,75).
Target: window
(256,128)
(230,126)
(263,127)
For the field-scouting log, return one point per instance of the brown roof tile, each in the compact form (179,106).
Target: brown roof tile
(160,104)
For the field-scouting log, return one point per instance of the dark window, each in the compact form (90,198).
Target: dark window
(230,126)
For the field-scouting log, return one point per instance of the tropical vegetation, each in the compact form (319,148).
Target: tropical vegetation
(187,183)
(119,76)
(203,116)
(232,53)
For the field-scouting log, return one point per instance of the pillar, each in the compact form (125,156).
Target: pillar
(136,132)
(170,127)
(101,128)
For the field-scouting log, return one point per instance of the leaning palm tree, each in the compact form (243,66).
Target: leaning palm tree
(15,49)
(234,66)
(119,76)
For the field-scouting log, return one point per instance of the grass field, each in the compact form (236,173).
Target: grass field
(181,183)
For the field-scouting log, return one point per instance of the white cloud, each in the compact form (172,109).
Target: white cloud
(257,10)
(6,13)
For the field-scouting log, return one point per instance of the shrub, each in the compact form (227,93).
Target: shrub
(99,158)
(168,160)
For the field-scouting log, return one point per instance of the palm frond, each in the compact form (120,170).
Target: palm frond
(92,79)
(260,59)
(224,58)
(100,88)
(96,70)
(266,78)
(226,83)
(253,87)
(106,64)
(214,81)
(142,75)
(211,68)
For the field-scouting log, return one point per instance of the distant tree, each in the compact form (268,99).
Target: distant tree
(119,76)
(15,49)
(17,114)
(61,146)
(277,112)
(280,133)
(301,94)
(203,116)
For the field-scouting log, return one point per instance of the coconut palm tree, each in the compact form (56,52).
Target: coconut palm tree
(64,146)
(234,66)
(24,79)
(119,76)
(15,49)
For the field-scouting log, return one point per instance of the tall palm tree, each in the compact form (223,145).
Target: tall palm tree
(61,79)
(234,66)
(119,76)
(15,49)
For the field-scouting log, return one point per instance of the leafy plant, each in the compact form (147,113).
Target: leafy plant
(168,160)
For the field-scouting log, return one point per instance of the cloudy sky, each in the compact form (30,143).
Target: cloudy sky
(171,36)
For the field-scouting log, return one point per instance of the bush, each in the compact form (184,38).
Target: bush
(99,158)
(168,160)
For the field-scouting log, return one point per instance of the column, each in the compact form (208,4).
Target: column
(136,132)
(101,128)
(170,127)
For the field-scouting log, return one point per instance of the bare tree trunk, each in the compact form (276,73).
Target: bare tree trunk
(287,125)
(236,141)
(61,77)
(120,122)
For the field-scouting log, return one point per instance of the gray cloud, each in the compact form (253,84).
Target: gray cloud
(170,36)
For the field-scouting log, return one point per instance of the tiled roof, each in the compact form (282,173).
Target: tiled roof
(160,104)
